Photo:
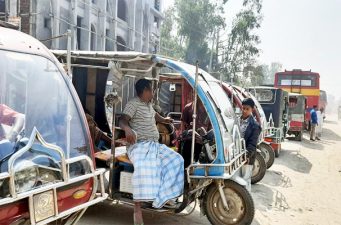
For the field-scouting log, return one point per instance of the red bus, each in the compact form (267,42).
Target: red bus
(302,82)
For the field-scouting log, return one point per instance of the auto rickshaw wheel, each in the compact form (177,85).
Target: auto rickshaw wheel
(259,169)
(268,153)
(298,136)
(241,209)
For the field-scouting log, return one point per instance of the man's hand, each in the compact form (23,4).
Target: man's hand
(161,119)
(130,135)
(168,120)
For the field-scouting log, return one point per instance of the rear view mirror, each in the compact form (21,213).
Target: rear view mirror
(172,87)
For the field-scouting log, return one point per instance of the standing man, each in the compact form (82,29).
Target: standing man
(319,127)
(250,131)
(158,170)
(314,123)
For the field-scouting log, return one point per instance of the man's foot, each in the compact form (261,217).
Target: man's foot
(171,204)
(318,139)
(312,139)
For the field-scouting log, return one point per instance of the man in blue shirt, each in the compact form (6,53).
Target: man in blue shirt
(314,123)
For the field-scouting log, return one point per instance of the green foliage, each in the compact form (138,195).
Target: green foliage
(197,20)
(242,50)
(170,45)
(269,72)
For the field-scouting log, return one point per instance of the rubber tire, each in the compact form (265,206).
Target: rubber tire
(241,191)
(298,137)
(266,147)
(262,169)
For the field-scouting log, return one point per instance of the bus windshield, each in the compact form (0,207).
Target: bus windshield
(304,80)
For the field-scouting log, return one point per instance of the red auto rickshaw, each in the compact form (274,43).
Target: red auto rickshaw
(237,95)
(296,115)
(47,170)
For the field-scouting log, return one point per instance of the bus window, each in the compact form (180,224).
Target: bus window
(297,80)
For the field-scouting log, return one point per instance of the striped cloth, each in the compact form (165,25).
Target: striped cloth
(158,172)
(142,119)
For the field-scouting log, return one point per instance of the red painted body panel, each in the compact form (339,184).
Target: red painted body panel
(19,210)
(296,126)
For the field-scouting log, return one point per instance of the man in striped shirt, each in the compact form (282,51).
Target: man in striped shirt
(158,170)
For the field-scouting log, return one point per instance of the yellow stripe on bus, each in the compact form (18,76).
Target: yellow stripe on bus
(307,92)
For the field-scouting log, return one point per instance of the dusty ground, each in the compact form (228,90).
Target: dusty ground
(303,187)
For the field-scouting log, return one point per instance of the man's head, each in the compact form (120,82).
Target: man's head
(315,107)
(144,90)
(248,104)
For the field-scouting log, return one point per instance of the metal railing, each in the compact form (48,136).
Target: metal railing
(236,158)
(14,196)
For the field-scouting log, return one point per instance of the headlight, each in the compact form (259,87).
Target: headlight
(25,179)
(47,176)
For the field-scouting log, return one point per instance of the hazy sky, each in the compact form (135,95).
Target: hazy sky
(300,34)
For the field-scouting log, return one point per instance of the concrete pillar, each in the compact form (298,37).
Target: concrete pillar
(115,23)
(12,6)
(103,22)
(87,21)
(148,26)
(55,29)
(132,24)
(74,12)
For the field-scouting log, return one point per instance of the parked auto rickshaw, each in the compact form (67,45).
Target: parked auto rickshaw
(239,94)
(180,98)
(216,179)
(47,171)
(274,102)
(297,107)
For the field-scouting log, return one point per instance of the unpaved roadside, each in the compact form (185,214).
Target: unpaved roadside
(303,187)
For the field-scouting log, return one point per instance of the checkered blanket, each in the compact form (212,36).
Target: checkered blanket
(158,172)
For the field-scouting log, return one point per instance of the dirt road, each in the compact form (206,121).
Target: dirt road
(303,187)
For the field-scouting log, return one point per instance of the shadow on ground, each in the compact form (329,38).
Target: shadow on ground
(315,145)
(267,199)
(330,122)
(330,135)
(120,214)
(277,179)
(294,160)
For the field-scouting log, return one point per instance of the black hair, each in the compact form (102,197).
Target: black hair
(315,106)
(141,85)
(249,102)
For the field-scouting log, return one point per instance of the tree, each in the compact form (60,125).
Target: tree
(170,45)
(197,20)
(269,72)
(242,50)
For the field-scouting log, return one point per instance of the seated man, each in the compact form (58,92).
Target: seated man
(202,121)
(158,170)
